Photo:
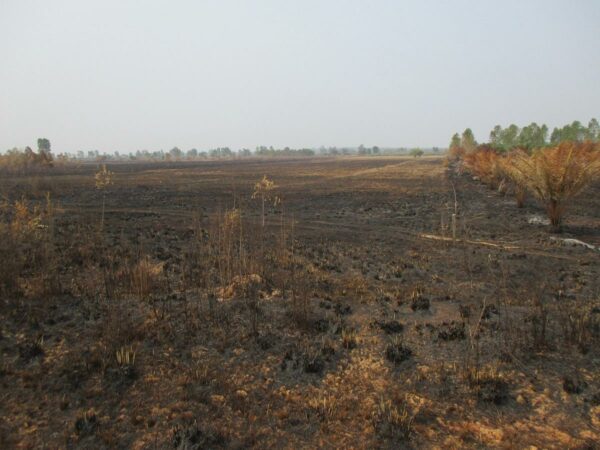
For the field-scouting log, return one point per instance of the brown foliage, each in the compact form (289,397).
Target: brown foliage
(25,161)
(519,187)
(555,175)
(485,163)
(455,153)
(25,241)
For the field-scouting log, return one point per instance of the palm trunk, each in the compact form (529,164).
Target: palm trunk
(555,215)
(102,219)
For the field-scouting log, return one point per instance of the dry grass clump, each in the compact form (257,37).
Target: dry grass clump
(555,175)
(581,325)
(393,420)
(146,277)
(397,352)
(26,245)
(349,338)
(489,385)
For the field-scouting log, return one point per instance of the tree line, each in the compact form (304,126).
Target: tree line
(28,159)
(530,136)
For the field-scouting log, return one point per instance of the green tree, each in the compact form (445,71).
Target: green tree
(455,141)
(496,137)
(416,152)
(575,132)
(44,150)
(532,136)
(176,153)
(468,141)
(510,137)
(43,145)
(593,131)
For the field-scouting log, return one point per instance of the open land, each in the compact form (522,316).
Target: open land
(359,316)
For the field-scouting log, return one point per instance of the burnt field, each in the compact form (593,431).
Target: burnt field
(360,315)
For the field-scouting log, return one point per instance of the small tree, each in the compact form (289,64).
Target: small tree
(416,153)
(555,175)
(264,190)
(455,141)
(455,151)
(45,151)
(104,178)
(467,141)
(507,168)
(485,164)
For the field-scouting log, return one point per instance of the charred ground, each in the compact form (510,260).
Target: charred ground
(359,322)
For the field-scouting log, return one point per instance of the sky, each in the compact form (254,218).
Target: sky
(123,75)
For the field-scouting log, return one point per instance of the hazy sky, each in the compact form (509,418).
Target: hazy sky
(127,75)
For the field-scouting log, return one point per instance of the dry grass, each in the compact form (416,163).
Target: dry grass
(331,326)
(25,161)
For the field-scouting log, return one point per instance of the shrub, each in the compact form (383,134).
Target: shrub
(416,153)
(485,163)
(519,186)
(22,161)
(555,175)
(392,419)
(146,278)
(396,352)
(455,153)
(25,233)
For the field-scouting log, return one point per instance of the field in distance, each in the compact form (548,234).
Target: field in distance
(385,302)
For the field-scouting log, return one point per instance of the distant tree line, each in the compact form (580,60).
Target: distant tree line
(27,158)
(270,151)
(17,160)
(530,136)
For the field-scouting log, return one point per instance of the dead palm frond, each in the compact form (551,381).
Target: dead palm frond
(555,175)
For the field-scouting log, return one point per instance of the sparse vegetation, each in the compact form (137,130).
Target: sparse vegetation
(104,178)
(192,320)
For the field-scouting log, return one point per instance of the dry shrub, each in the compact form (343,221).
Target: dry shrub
(11,259)
(22,161)
(489,384)
(555,175)
(485,163)
(356,284)
(146,278)
(455,154)
(580,324)
(241,286)
(519,187)
(392,418)
(229,245)
(325,406)
(26,244)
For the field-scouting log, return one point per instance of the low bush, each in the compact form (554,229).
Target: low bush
(485,163)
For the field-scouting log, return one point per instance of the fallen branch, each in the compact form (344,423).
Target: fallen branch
(449,239)
(500,246)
